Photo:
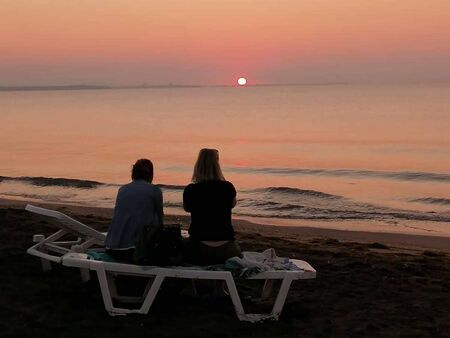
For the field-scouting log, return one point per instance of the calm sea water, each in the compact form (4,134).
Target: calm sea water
(344,153)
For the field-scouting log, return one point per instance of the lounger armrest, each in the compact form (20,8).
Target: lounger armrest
(77,260)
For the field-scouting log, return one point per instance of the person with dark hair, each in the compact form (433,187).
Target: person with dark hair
(209,199)
(139,204)
(142,170)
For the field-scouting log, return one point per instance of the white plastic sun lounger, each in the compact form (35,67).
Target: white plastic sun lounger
(72,254)
(107,271)
(52,248)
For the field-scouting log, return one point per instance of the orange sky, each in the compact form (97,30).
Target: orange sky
(213,42)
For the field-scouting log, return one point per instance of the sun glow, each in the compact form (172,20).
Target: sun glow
(242,81)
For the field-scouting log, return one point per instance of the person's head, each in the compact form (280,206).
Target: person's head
(142,170)
(207,167)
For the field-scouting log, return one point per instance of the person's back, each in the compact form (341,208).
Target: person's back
(209,199)
(210,204)
(139,204)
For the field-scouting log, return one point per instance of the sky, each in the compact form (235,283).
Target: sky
(211,42)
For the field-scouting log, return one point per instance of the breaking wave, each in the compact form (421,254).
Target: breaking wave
(297,191)
(433,200)
(267,202)
(72,182)
(50,181)
(393,175)
(348,210)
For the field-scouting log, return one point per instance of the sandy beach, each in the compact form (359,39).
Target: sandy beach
(328,120)
(368,285)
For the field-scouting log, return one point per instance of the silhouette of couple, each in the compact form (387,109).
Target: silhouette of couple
(209,199)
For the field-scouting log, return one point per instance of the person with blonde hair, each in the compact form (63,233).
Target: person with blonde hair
(209,199)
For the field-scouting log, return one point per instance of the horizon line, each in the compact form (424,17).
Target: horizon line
(150,86)
(55,87)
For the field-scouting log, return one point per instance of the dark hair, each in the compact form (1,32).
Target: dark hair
(142,170)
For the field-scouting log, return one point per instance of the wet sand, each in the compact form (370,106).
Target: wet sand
(306,230)
(368,285)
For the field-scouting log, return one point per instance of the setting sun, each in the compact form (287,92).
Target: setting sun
(242,81)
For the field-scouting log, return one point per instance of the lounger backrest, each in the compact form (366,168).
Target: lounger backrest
(68,223)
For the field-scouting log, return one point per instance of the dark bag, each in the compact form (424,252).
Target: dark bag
(160,247)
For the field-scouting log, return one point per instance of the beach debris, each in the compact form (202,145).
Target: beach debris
(377,245)
(430,253)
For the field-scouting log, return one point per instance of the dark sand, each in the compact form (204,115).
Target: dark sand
(368,285)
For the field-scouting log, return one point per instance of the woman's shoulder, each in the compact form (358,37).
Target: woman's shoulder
(228,184)
(225,186)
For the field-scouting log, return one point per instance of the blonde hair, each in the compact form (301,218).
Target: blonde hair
(207,167)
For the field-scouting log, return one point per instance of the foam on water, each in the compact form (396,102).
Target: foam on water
(433,200)
(402,175)
(268,202)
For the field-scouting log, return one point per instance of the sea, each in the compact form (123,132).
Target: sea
(356,157)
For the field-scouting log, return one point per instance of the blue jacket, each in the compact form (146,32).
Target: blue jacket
(138,203)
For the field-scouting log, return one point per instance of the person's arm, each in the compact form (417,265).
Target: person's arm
(159,207)
(233,203)
(116,205)
(114,230)
(233,195)
(186,202)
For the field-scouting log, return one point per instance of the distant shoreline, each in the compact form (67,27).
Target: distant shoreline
(84,87)
(107,87)
(180,86)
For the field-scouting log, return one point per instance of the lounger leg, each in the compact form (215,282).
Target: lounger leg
(281,298)
(112,285)
(107,299)
(238,304)
(194,288)
(104,287)
(235,297)
(85,275)
(151,294)
(46,265)
(148,286)
(256,317)
(267,288)
(40,247)
(111,279)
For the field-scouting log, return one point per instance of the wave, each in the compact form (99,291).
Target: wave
(395,175)
(73,182)
(44,198)
(173,205)
(307,213)
(297,191)
(50,181)
(341,209)
(433,200)
(268,202)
